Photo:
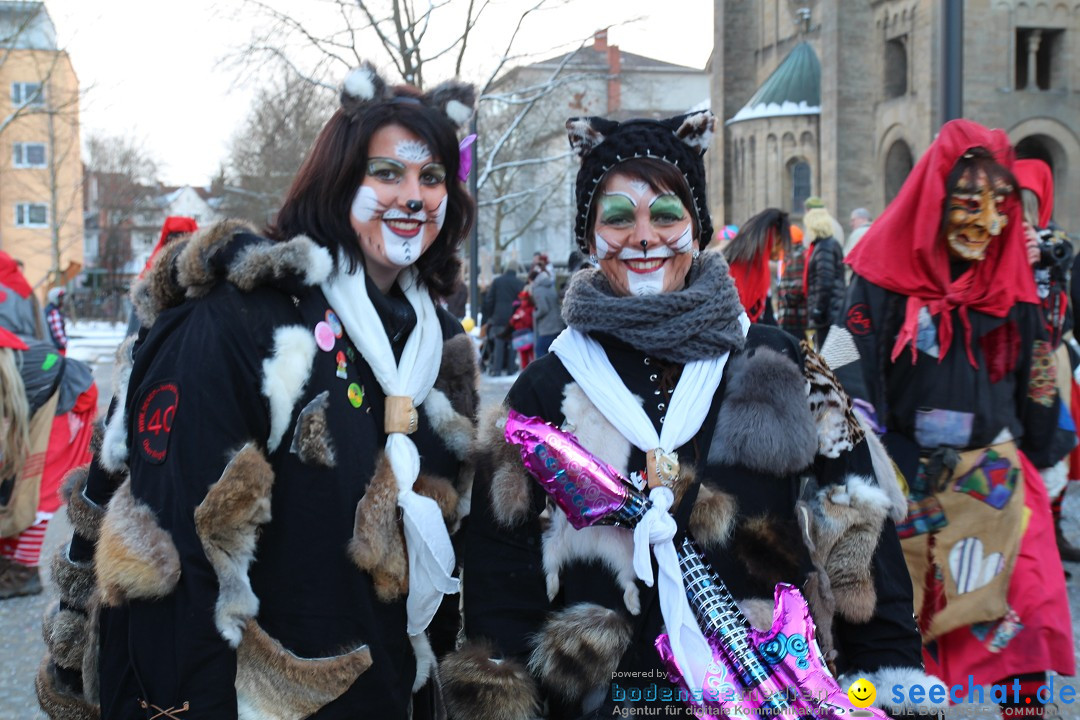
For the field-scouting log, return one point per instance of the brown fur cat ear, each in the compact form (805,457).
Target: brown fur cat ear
(585,133)
(697,130)
(454,99)
(362,86)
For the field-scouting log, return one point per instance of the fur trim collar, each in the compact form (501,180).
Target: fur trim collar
(230,251)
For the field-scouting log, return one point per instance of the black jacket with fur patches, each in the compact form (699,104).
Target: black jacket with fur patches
(251,563)
(565,604)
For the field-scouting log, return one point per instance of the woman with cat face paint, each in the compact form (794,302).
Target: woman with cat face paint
(661,375)
(943,344)
(282,461)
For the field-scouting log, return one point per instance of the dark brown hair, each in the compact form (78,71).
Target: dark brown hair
(661,177)
(320,200)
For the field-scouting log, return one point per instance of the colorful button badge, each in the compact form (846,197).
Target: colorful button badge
(334,323)
(324,337)
(341,373)
(356,395)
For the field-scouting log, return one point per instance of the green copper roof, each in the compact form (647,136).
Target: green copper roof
(794,88)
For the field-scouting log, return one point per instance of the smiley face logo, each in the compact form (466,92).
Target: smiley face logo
(861,693)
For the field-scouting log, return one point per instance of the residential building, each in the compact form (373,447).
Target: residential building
(41,221)
(527,199)
(840,98)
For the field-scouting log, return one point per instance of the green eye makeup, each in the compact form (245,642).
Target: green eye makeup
(433,174)
(385,168)
(667,206)
(616,209)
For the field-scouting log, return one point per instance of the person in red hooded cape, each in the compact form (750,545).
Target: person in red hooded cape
(944,351)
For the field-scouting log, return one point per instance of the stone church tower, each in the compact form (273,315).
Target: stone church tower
(838,98)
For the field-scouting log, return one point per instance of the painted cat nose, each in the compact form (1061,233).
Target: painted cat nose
(414,205)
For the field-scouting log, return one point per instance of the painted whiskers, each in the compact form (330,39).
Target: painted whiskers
(780,670)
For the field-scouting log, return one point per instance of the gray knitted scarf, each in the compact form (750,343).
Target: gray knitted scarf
(700,321)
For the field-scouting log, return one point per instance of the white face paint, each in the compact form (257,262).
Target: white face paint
(412,151)
(440,214)
(684,243)
(643,238)
(365,204)
(646,283)
(404,240)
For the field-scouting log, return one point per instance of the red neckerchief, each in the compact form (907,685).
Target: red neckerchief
(904,251)
(12,277)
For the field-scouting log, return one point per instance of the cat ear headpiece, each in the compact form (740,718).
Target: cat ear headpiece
(363,88)
(602,144)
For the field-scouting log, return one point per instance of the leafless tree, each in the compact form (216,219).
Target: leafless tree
(121,177)
(266,151)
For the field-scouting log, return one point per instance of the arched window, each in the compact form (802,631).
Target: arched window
(898,163)
(896,80)
(800,185)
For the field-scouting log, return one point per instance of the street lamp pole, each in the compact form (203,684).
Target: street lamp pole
(952,60)
(474,235)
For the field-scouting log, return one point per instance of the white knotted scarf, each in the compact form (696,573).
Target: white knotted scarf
(587,362)
(431,555)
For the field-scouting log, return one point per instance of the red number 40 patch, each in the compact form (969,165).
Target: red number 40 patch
(157,412)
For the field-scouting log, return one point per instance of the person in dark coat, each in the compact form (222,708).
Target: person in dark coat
(265,529)
(661,368)
(824,270)
(943,346)
(547,317)
(498,308)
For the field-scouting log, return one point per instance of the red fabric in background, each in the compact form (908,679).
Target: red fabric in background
(904,250)
(1035,175)
(12,277)
(173,224)
(1074,456)
(69,447)
(752,280)
(1036,593)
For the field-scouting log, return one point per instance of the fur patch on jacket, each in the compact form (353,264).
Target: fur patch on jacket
(837,426)
(459,376)
(114,448)
(311,437)
(58,702)
(478,687)
(713,518)
(378,542)
(274,684)
(441,491)
(134,558)
(227,522)
(64,632)
(457,431)
(765,391)
(845,527)
(885,471)
(579,648)
(611,547)
(769,547)
(511,484)
(285,373)
(189,268)
(76,582)
(85,515)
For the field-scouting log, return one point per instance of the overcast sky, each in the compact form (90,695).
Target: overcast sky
(157,72)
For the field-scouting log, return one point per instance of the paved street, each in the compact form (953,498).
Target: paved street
(20,618)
